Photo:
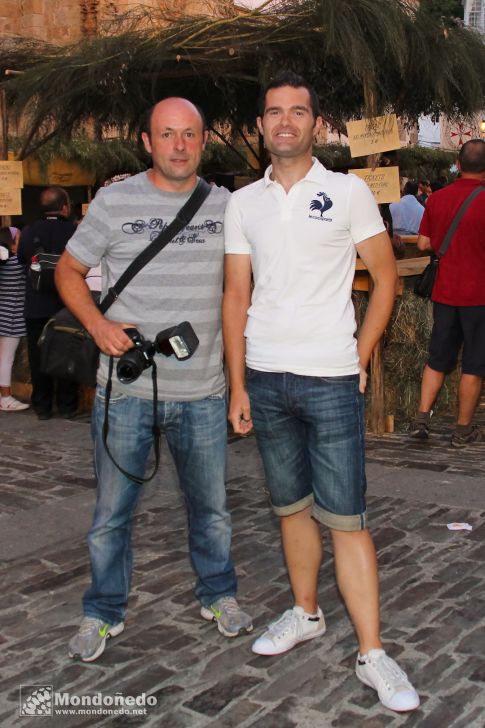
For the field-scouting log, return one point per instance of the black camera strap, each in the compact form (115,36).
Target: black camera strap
(182,218)
(156,432)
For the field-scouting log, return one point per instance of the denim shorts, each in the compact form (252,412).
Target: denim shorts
(310,433)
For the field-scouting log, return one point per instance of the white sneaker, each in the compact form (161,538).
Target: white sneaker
(10,404)
(292,627)
(382,673)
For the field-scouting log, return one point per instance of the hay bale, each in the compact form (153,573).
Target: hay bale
(405,352)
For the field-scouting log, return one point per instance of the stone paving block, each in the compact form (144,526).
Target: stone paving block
(461,589)
(450,707)
(473,643)
(414,595)
(290,681)
(243,713)
(472,719)
(279,717)
(211,701)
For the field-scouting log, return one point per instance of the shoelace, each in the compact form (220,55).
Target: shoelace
(229,605)
(389,671)
(88,624)
(285,623)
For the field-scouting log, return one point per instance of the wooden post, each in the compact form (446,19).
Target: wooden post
(6,219)
(377,407)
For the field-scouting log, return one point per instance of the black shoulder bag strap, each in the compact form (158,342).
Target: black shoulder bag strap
(457,219)
(182,218)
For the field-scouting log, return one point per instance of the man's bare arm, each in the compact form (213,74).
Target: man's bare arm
(74,291)
(236,301)
(376,252)
(424,243)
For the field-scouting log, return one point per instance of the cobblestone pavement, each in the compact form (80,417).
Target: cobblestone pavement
(433,593)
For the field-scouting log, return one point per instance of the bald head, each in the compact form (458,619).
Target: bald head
(471,158)
(54,199)
(175,138)
(168,105)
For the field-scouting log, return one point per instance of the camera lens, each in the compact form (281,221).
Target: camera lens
(130,366)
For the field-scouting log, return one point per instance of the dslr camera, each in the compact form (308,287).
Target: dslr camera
(180,340)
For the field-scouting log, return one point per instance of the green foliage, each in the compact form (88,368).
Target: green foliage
(333,155)
(416,162)
(218,158)
(424,163)
(443,8)
(105,158)
(363,56)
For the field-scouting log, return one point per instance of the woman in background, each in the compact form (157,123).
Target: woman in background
(12,322)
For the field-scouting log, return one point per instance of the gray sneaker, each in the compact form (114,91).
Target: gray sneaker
(89,643)
(231,620)
(459,439)
(420,426)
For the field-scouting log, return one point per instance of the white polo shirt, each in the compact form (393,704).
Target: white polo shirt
(302,248)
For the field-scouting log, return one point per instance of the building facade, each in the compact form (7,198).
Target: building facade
(66,21)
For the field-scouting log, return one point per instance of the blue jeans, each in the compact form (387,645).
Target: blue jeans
(310,433)
(196,434)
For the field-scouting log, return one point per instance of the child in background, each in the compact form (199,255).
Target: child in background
(12,323)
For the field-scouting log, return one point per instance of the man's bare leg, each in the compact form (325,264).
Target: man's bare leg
(431,384)
(468,396)
(358,581)
(302,546)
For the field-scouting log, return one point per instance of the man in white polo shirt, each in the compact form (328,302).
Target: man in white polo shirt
(297,232)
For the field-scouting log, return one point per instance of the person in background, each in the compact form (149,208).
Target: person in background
(51,233)
(12,322)
(436,185)
(458,298)
(424,191)
(407,213)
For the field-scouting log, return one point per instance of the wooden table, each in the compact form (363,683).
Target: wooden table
(363,282)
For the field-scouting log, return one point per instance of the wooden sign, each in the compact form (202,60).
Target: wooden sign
(10,201)
(370,136)
(383,182)
(58,172)
(11,175)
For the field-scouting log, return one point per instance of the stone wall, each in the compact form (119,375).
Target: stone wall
(65,21)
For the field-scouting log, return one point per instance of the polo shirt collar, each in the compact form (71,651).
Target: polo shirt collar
(315,174)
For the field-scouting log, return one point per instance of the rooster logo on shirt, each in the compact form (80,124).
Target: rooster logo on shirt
(323,205)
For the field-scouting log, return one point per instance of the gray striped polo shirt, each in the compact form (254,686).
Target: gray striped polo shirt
(182,283)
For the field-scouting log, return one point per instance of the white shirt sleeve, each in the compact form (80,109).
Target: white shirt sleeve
(235,240)
(364,217)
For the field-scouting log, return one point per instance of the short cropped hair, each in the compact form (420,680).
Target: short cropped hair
(472,156)
(411,187)
(289,78)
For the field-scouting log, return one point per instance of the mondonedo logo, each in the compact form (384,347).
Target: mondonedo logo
(36,700)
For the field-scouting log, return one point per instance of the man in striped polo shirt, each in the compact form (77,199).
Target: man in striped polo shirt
(183,282)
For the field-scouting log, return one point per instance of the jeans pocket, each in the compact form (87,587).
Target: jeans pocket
(114,397)
(219,396)
(251,374)
(342,379)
